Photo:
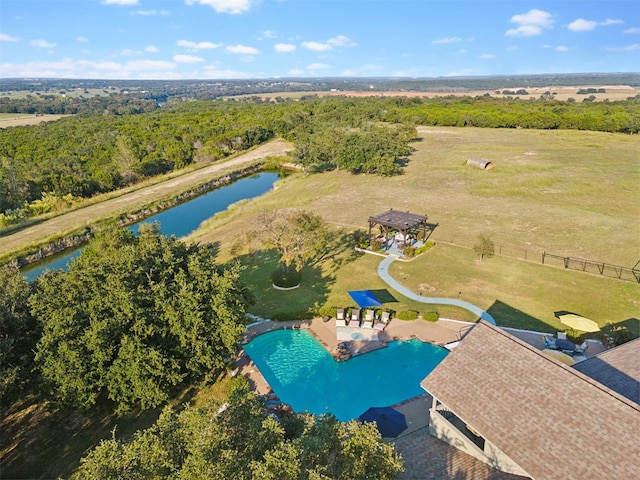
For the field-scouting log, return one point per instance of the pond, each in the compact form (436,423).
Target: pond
(180,220)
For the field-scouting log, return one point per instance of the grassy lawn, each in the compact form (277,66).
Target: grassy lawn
(565,192)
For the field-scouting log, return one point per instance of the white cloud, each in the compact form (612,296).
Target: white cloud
(314,67)
(187,59)
(486,56)
(226,6)
(120,2)
(562,48)
(317,46)
(441,41)
(144,13)
(284,47)
(269,34)
(42,43)
(341,41)
(627,48)
(151,49)
(581,25)
(632,30)
(530,23)
(197,45)
(8,38)
(82,39)
(242,49)
(295,72)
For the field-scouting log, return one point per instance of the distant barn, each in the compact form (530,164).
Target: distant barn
(481,163)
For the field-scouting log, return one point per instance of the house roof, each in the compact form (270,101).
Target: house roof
(398,219)
(550,419)
(618,369)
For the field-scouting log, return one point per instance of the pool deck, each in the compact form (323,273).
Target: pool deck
(425,457)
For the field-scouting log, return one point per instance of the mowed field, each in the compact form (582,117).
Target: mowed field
(568,193)
(22,119)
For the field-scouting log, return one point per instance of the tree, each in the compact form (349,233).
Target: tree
(135,316)
(242,441)
(297,235)
(484,247)
(19,332)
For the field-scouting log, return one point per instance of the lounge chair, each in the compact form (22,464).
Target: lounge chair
(549,343)
(355,318)
(582,348)
(368,319)
(561,336)
(383,322)
(340,321)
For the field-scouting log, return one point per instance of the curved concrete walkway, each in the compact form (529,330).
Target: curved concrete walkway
(383,271)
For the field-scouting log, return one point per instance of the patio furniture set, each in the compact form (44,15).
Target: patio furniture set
(564,345)
(368,320)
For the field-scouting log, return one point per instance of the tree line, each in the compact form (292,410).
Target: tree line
(85,156)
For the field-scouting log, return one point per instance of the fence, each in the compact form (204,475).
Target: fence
(605,269)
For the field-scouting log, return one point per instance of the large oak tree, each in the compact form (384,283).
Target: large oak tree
(136,315)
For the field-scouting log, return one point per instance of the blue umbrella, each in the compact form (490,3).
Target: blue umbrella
(365,298)
(390,422)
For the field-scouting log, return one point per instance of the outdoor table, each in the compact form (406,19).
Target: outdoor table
(567,345)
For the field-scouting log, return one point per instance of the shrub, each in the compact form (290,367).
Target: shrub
(431,316)
(361,238)
(408,315)
(285,279)
(426,247)
(376,245)
(409,251)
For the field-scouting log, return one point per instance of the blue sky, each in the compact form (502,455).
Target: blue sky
(220,39)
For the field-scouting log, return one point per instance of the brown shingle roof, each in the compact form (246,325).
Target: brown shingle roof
(548,418)
(618,369)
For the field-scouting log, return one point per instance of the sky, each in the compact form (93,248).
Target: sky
(236,39)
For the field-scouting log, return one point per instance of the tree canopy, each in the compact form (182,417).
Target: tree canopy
(239,440)
(297,235)
(19,332)
(136,315)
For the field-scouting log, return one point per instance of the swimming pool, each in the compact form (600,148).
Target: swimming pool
(303,374)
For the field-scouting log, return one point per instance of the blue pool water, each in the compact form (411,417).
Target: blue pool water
(304,375)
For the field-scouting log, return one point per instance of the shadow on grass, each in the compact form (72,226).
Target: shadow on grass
(508,316)
(317,278)
(384,296)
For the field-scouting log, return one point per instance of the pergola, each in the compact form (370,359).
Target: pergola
(404,222)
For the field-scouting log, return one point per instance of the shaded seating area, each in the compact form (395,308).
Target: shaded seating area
(399,227)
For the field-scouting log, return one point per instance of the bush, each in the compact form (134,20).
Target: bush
(409,251)
(426,247)
(361,238)
(431,316)
(408,315)
(286,279)
(376,245)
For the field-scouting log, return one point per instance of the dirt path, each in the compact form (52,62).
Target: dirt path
(129,201)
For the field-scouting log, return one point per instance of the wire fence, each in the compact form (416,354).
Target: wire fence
(536,255)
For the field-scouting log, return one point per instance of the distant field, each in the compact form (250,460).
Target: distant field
(21,119)
(612,93)
(565,192)
(71,92)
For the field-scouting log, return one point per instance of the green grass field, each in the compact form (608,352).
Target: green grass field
(565,192)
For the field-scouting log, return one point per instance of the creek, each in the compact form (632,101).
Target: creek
(180,220)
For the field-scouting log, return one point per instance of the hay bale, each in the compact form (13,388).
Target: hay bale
(481,163)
